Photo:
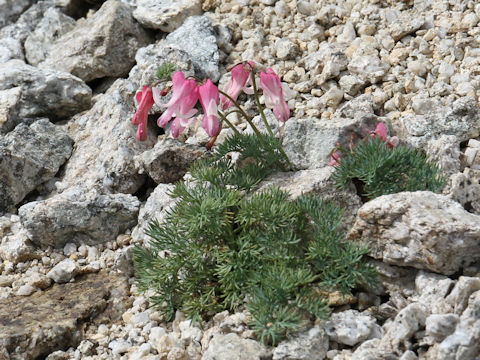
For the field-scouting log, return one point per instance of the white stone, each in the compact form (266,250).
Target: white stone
(26,290)
(64,271)
(351,327)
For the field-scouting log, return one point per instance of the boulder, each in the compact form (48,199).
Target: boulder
(419,229)
(79,215)
(29,156)
(28,92)
(101,46)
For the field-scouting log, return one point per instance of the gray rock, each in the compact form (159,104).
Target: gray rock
(407,23)
(26,290)
(368,68)
(351,327)
(311,344)
(12,9)
(197,38)
(233,347)
(286,49)
(27,22)
(373,350)
(30,155)
(156,206)
(93,49)
(441,325)
(445,152)
(27,92)
(461,119)
(49,29)
(105,144)
(465,188)
(79,215)
(64,271)
(165,15)
(460,294)
(432,290)
(419,229)
(308,143)
(10,49)
(317,182)
(406,323)
(169,160)
(32,327)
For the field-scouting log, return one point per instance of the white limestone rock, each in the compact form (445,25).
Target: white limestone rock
(64,271)
(352,327)
(166,15)
(311,344)
(12,9)
(233,347)
(419,229)
(10,49)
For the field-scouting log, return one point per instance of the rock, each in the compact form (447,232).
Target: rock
(432,290)
(156,207)
(286,49)
(368,68)
(26,290)
(311,344)
(406,24)
(460,294)
(105,144)
(27,92)
(166,15)
(189,333)
(40,281)
(93,48)
(308,142)
(233,347)
(30,155)
(372,350)
(405,324)
(419,229)
(53,25)
(197,38)
(10,49)
(119,347)
(169,160)
(465,188)
(37,325)
(79,215)
(318,182)
(12,9)
(445,152)
(352,327)
(17,247)
(461,119)
(441,325)
(27,22)
(64,271)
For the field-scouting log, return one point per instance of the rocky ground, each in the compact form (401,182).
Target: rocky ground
(77,189)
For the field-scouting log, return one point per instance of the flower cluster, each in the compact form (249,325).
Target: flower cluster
(380,132)
(186,93)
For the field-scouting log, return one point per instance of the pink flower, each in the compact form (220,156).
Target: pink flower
(272,90)
(209,98)
(240,75)
(145,102)
(334,159)
(184,98)
(381,132)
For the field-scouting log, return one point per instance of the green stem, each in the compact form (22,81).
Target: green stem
(224,117)
(244,114)
(260,107)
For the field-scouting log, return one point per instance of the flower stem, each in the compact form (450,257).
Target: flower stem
(244,114)
(224,117)
(260,107)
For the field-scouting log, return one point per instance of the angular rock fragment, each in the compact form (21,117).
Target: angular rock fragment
(53,25)
(79,215)
(165,15)
(236,348)
(103,45)
(27,92)
(311,344)
(105,144)
(419,229)
(29,156)
(352,327)
(10,49)
(169,160)
(46,321)
(197,38)
(12,9)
